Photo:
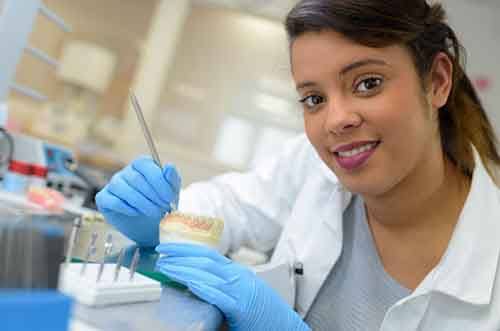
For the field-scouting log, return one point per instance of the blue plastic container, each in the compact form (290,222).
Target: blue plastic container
(40,310)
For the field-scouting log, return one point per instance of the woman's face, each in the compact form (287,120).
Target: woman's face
(365,111)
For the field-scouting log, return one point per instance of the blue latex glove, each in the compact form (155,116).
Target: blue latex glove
(245,300)
(137,197)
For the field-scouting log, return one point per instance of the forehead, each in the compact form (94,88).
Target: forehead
(328,52)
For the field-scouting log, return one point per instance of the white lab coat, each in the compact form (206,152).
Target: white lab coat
(295,204)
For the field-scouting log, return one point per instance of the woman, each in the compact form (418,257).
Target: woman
(388,202)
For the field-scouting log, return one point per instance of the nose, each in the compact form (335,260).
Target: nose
(341,118)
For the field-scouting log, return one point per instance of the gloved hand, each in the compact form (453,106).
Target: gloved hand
(137,197)
(246,301)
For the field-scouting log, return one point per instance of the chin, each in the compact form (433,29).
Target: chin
(366,183)
(364,190)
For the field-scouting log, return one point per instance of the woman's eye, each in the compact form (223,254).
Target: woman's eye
(368,84)
(311,101)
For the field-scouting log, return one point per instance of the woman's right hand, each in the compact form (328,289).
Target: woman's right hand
(137,197)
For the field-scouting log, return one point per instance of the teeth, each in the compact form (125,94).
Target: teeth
(357,150)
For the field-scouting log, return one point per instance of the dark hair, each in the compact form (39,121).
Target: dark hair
(423,30)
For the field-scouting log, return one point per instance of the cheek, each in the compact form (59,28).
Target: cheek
(406,131)
(313,126)
(401,117)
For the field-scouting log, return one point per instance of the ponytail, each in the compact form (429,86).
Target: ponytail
(463,121)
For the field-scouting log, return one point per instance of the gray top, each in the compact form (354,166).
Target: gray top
(358,292)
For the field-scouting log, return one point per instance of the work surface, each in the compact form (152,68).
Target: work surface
(177,310)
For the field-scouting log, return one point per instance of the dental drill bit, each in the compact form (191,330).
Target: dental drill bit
(90,252)
(108,246)
(77,223)
(134,263)
(118,265)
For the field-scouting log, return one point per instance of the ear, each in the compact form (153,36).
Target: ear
(441,78)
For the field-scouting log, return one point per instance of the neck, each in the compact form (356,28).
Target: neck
(430,196)
(413,224)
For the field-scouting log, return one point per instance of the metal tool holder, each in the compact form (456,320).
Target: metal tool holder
(30,253)
(16,23)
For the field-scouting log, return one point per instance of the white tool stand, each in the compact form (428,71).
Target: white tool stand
(87,290)
(100,304)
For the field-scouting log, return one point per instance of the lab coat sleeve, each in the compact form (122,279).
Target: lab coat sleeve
(254,205)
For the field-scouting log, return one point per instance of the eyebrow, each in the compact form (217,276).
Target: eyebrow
(346,69)
(361,63)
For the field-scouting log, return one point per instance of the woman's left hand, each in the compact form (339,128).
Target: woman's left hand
(246,301)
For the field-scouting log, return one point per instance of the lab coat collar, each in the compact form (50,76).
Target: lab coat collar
(321,248)
(468,268)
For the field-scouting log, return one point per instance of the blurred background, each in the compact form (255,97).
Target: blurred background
(214,83)
(212,77)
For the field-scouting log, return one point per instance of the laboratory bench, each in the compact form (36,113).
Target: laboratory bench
(176,310)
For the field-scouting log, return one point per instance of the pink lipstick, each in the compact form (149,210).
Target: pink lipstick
(353,156)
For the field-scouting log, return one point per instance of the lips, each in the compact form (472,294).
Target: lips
(353,156)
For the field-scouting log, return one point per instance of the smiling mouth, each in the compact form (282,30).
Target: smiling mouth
(358,150)
(356,157)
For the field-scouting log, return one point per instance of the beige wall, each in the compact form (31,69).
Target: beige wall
(477,25)
(224,59)
(119,25)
